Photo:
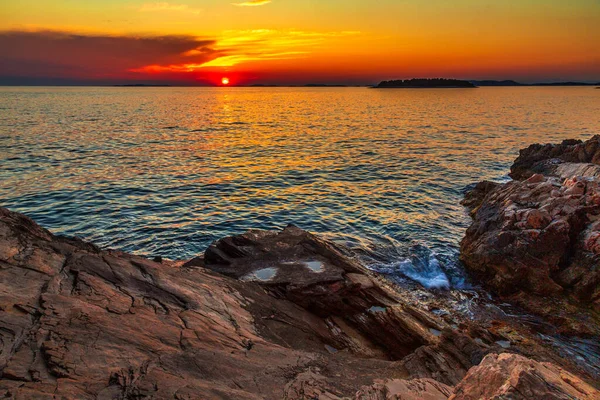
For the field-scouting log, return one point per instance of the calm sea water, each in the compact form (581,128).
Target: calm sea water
(165,171)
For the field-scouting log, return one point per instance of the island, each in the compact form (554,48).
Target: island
(424,83)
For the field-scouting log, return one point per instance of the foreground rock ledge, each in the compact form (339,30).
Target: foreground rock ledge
(282,315)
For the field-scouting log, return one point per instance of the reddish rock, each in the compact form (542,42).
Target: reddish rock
(544,158)
(510,376)
(539,237)
(416,389)
(77,322)
(474,197)
(367,315)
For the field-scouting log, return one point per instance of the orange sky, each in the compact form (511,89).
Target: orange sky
(297,41)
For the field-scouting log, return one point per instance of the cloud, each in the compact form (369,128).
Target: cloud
(162,6)
(236,47)
(109,58)
(252,3)
(78,56)
(230,61)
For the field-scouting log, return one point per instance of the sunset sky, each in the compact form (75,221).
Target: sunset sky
(297,41)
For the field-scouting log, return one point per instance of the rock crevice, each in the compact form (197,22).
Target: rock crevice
(264,315)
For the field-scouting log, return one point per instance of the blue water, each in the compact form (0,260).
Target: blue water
(165,171)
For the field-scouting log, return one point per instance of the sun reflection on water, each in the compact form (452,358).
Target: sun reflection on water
(375,169)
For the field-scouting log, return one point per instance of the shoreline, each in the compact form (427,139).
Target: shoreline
(279,314)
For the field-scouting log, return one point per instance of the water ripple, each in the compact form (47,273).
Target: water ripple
(382,172)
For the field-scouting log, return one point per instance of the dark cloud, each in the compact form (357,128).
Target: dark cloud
(60,55)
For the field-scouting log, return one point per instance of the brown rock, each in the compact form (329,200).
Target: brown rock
(544,159)
(416,389)
(539,237)
(510,376)
(446,362)
(77,322)
(474,197)
(366,316)
(309,385)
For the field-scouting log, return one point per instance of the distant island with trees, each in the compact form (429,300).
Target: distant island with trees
(424,83)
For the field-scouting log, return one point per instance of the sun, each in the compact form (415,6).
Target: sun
(225,81)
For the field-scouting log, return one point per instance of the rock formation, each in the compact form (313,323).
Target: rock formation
(543,158)
(536,241)
(264,315)
(510,376)
(499,376)
(361,313)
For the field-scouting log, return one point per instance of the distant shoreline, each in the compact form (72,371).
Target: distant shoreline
(425,83)
(505,83)
(140,85)
(423,87)
(319,86)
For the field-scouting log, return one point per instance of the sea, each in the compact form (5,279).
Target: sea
(166,171)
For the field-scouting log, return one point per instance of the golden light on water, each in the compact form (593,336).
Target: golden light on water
(374,164)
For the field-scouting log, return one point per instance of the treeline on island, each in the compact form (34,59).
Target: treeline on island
(425,83)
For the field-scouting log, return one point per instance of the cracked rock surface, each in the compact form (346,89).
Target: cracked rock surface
(536,241)
(78,322)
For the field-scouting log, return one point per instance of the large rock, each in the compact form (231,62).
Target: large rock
(544,158)
(510,376)
(365,315)
(537,242)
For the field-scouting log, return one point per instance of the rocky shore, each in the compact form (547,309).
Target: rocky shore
(535,240)
(288,315)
